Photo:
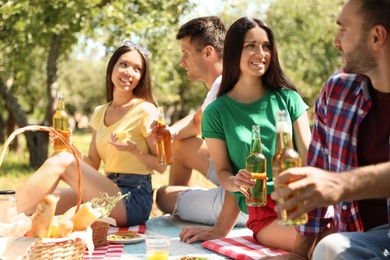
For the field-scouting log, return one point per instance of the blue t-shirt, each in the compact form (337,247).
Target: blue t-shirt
(231,121)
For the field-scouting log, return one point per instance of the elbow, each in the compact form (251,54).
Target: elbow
(161,169)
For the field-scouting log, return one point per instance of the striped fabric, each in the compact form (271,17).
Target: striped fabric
(113,251)
(241,248)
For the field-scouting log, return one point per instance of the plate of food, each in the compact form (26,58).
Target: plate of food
(125,237)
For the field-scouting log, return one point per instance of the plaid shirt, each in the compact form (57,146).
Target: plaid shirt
(343,103)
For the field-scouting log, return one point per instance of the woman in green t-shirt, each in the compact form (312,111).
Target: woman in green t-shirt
(253,89)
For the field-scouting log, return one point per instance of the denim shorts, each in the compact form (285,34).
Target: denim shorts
(139,204)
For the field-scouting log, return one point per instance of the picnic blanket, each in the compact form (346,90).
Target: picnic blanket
(113,251)
(241,248)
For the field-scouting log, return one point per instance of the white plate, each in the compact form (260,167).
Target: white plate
(126,241)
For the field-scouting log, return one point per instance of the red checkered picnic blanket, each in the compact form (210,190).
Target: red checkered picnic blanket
(113,251)
(241,248)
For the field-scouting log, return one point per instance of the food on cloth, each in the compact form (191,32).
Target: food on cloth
(61,228)
(46,225)
(84,217)
(193,258)
(43,217)
(127,234)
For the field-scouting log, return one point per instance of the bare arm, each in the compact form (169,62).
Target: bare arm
(219,154)
(319,188)
(188,127)
(148,159)
(225,223)
(302,136)
(226,178)
(93,158)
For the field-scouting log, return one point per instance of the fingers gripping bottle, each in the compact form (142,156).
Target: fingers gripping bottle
(163,138)
(61,124)
(256,164)
(285,157)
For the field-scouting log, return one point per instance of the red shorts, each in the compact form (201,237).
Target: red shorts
(260,217)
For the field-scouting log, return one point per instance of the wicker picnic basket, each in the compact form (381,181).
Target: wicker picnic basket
(55,248)
(66,249)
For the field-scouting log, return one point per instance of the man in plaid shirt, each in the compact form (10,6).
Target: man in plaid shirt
(351,135)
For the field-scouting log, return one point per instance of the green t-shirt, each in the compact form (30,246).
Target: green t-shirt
(231,121)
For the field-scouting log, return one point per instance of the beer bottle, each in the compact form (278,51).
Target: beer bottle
(284,158)
(256,164)
(61,124)
(163,136)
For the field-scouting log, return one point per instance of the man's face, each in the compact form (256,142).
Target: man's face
(352,40)
(192,61)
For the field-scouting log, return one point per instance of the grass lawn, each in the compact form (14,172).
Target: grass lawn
(15,168)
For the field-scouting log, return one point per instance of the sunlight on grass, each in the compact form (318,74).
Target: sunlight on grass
(15,167)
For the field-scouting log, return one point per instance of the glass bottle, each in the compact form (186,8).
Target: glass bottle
(256,164)
(61,124)
(7,206)
(163,138)
(285,157)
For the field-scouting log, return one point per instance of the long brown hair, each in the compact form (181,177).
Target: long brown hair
(144,87)
(273,78)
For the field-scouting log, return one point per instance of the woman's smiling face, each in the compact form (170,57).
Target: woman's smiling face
(256,52)
(128,70)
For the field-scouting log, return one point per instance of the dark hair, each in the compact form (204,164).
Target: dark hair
(375,12)
(144,87)
(203,31)
(273,78)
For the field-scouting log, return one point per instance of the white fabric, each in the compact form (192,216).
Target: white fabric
(212,94)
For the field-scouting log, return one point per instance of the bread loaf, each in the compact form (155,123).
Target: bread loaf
(61,228)
(43,217)
(84,217)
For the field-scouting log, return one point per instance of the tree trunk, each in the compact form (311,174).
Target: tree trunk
(11,126)
(37,142)
(52,84)
(2,130)
(38,145)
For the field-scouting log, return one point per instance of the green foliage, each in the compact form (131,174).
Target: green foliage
(29,30)
(105,203)
(27,33)
(304,31)
(83,84)
(155,26)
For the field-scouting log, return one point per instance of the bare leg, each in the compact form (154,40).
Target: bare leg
(273,235)
(68,199)
(62,166)
(188,154)
(167,196)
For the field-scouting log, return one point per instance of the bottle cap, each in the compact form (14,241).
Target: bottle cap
(2,192)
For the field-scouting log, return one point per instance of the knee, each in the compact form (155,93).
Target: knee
(62,159)
(329,247)
(161,197)
(177,148)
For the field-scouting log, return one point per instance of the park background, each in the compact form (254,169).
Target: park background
(52,45)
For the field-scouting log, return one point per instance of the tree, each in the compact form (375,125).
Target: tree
(304,31)
(36,36)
